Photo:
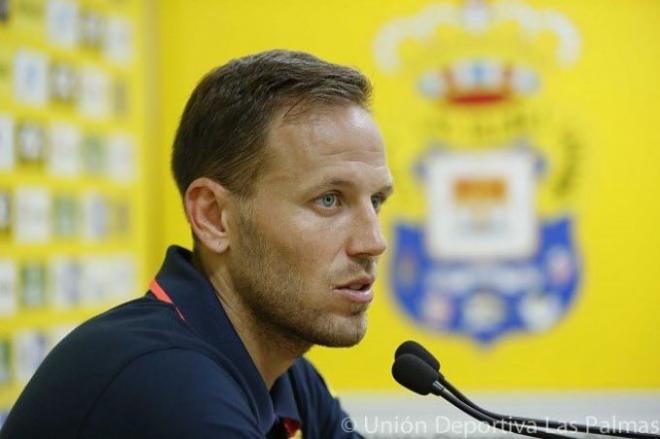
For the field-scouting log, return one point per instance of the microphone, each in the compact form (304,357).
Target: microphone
(419,351)
(413,348)
(416,375)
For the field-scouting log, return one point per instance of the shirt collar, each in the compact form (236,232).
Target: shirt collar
(195,297)
(283,399)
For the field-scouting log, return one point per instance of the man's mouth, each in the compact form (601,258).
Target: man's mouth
(357,290)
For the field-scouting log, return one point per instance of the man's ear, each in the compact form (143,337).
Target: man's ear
(208,204)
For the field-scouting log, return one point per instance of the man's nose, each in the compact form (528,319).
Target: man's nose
(366,235)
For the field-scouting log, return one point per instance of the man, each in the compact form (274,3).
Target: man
(282,173)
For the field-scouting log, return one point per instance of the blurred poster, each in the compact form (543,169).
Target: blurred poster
(8,286)
(31,78)
(32,215)
(5,363)
(31,144)
(30,347)
(66,216)
(92,28)
(94,155)
(64,156)
(118,45)
(96,280)
(71,116)
(121,217)
(5,213)
(123,270)
(63,83)
(65,275)
(95,216)
(120,158)
(6,73)
(495,250)
(95,88)
(62,22)
(33,284)
(120,98)
(6,142)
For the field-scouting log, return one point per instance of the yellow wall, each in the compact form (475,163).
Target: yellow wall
(26,29)
(608,338)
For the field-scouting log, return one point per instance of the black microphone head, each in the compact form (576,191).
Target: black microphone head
(414,374)
(416,349)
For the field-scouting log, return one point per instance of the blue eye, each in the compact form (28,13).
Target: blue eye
(328,200)
(377,201)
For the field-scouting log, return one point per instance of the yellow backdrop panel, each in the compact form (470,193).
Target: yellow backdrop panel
(609,96)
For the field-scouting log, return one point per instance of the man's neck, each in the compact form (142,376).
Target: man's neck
(271,351)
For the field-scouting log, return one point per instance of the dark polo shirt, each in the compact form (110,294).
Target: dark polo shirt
(140,370)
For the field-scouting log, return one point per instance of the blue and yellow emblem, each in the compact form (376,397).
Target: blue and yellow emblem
(483,147)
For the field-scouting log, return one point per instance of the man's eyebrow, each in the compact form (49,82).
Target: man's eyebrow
(387,190)
(340,182)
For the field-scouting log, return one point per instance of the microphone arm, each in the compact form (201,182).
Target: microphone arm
(416,375)
(419,351)
(526,429)
(574,427)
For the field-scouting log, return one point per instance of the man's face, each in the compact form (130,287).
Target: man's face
(305,256)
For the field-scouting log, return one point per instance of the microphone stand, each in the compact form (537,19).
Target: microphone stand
(526,429)
(574,427)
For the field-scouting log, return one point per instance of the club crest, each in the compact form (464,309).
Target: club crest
(492,159)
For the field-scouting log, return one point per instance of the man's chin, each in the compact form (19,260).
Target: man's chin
(341,343)
(347,332)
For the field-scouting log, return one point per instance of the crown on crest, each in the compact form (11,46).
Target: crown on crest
(478,52)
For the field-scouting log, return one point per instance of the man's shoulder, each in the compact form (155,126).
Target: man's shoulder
(119,334)
(178,393)
(140,323)
(100,348)
(84,365)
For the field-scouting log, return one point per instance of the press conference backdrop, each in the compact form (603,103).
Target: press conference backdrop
(523,140)
(74,181)
(522,234)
